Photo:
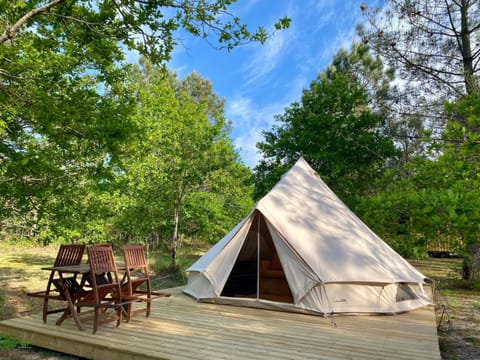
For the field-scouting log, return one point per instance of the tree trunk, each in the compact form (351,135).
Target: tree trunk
(173,248)
(154,238)
(471,263)
(467,50)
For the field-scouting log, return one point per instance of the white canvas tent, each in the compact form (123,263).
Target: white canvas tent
(302,249)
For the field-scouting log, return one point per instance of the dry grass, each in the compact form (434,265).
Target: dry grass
(459,333)
(20,272)
(459,303)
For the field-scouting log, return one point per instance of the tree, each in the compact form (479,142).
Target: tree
(334,128)
(65,103)
(147,26)
(432,47)
(434,43)
(366,70)
(462,146)
(200,90)
(57,135)
(175,178)
(438,201)
(226,197)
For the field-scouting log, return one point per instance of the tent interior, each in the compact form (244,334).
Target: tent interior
(258,272)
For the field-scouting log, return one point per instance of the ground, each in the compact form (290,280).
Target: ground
(20,272)
(459,334)
(457,308)
(458,303)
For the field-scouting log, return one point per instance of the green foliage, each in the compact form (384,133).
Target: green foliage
(63,103)
(8,342)
(183,177)
(147,27)
(438,199)
(334,128)
(415,39)
(210,215)
(69,112)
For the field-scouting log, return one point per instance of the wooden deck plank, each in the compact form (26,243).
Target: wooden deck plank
(180,328)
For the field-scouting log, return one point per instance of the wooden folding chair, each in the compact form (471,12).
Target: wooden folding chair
(70,254)
(103,296)
(101,278)
(136,284)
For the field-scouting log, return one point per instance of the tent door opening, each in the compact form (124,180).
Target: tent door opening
(258,272)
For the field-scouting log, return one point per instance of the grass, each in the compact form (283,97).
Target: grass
(459,332)
(20,272)
(8,342)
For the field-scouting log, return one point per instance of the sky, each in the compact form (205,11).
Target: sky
(261,81)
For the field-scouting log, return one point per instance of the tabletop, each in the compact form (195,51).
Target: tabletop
(76,269)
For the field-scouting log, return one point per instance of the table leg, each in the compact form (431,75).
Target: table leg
(70,310)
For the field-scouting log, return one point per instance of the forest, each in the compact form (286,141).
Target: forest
(96,149)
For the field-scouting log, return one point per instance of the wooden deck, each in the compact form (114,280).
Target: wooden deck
(180,328)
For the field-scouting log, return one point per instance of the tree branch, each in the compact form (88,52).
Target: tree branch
(452,24)
(11,31)
(425,69)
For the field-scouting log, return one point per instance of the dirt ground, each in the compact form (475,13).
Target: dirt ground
(457,308)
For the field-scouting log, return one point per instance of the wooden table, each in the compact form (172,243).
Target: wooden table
(82,269)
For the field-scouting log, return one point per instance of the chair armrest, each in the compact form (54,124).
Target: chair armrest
(53,294)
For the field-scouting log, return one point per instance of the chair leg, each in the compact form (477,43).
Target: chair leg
(119,311)
(129,311)
(45,309)
(95,319)
(149,305)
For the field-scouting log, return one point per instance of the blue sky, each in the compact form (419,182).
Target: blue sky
(258,81)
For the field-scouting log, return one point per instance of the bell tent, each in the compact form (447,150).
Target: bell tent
(302,249)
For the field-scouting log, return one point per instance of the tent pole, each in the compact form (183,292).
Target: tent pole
(258,256)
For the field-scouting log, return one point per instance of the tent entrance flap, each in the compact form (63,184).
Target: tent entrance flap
(257,272)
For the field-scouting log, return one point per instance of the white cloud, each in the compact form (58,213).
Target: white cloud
(249,121)
(241,110)
(246,144)
(261,81)
(265,59)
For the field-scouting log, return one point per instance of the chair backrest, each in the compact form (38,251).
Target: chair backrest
(101,260)
(69,254)
(103,244)
(134,256)
(105,294)
(107,245)
(135,262)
